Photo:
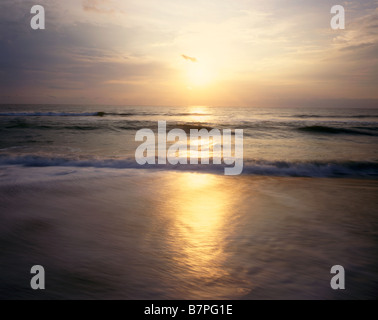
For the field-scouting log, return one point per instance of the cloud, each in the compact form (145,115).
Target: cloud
(97,6)
(116,48)
(356,47)
(189,58)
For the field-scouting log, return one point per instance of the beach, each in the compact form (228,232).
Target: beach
(176,150)
(155,234)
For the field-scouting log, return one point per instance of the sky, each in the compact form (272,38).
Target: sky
(175,52)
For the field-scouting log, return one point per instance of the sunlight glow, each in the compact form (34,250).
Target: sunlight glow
(199,75)
(200,217)
(199,210)
(199,114)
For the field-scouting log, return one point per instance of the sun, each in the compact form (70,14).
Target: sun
(199,75)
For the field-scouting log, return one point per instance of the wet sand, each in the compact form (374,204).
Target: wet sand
(144,234)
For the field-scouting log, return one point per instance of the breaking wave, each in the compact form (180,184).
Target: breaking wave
(331,169)
(335,130)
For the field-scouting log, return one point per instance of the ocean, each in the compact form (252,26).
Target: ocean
(277,141)
(74,200)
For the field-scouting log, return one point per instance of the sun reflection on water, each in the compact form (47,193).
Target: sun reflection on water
(200,223)
(199,114)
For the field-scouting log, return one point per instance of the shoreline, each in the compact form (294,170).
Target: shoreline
(144,234)
(272,169)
